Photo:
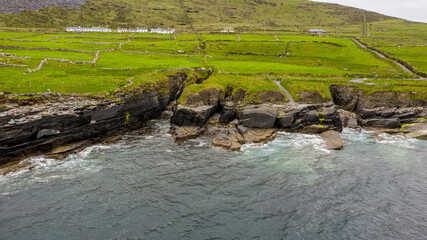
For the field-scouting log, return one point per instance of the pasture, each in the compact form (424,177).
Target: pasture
(99,63)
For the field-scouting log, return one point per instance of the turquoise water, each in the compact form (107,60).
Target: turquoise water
(147,187)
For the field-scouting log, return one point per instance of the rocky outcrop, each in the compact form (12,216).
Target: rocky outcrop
(379,109)
(310,119)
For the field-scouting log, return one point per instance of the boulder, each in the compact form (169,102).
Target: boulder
(192,116)
(182,134)
(352,123)
(333,140)
(258,118)
(286,121)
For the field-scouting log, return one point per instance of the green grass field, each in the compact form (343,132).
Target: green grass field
(305,63)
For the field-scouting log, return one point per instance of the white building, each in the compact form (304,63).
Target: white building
(228,30)
(317,31)
(122,30)
(139,30)
(84,29)
(163,30)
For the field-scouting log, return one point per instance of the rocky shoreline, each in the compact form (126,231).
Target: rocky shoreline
(58,125)
(231,123)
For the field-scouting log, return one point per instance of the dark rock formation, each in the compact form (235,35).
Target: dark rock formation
(346,97)
(310,119)
(378,109)
(192,116)
(258,118)
(94,123)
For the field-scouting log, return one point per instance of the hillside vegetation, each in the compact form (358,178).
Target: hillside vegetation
(189,15)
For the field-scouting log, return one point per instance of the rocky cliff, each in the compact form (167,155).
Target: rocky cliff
(47,130)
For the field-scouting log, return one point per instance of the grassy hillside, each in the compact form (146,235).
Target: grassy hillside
(189,15)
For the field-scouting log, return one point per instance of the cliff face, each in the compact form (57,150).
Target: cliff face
(63,133)
(17,6)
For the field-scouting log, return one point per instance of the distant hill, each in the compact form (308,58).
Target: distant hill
(17,6)
(290,15)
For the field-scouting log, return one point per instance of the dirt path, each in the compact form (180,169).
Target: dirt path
(288,95)
(385,57)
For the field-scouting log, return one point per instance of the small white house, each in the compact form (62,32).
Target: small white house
(228,30)
(163,30)
(139,30)
(122,30)
(317,31)
(92,29)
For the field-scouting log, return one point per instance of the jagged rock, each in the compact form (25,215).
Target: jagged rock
(333,140)
(381,122)
(258,118)
(188,116)
(182,134)
(259,135)
(47,133)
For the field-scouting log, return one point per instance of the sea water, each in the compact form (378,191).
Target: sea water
(147,187)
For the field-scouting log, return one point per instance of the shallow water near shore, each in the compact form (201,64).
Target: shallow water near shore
(147,187)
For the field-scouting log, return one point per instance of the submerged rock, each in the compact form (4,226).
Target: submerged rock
(333,140)
(182,134)
(259,135)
